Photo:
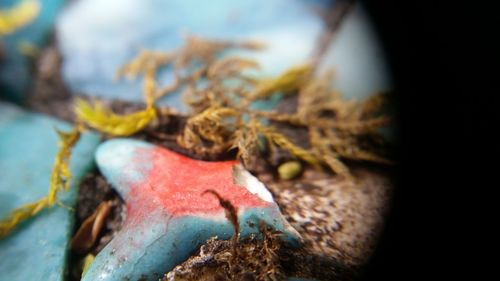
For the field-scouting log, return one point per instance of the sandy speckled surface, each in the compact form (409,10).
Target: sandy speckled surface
(335,218)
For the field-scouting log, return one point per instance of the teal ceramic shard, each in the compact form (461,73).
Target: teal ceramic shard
(359,62)
(169,213)
(38,248)
(357,58)
(15,73)
(97,37)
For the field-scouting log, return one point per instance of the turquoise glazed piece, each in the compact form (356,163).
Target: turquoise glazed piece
(97,37)
(357,58)
(359,62)
(38,248)
(169,215)
(15,76)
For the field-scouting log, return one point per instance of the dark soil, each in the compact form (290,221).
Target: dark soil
(93,190)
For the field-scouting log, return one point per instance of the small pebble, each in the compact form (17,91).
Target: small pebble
(289,170)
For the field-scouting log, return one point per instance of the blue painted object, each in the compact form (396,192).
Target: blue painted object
(15,74)
(359,63)
(357,58)
(38,248)
(97,37)
(168,215)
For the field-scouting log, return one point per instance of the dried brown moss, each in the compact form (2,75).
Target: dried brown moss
(337,129)
(254,259)
(257,259)
(222,118)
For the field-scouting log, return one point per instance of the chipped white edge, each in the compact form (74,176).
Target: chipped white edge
(244,178)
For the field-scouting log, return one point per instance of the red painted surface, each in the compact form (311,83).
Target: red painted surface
(176,183)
